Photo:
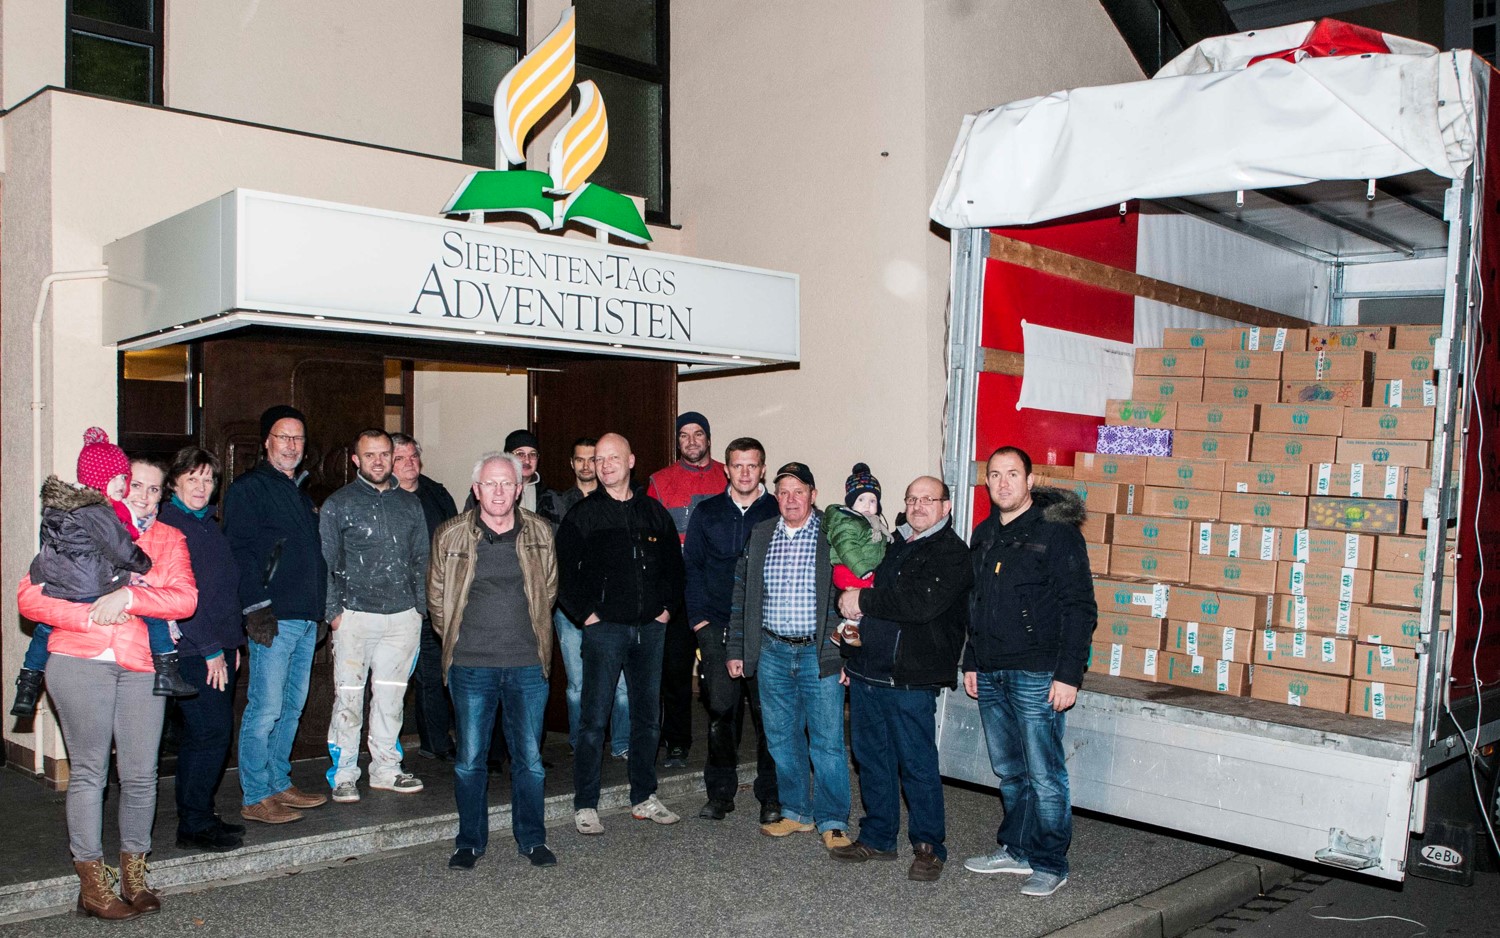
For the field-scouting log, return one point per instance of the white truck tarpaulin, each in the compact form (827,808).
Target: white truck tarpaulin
(1208,122)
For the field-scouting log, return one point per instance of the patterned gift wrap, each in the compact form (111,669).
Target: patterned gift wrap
(1134,441)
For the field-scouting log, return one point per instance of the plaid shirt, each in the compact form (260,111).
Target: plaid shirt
(791,604)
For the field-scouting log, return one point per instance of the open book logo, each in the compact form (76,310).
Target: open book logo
(541,79)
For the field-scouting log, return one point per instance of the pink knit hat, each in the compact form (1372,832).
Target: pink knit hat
(100,460)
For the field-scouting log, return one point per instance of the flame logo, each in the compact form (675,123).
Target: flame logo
(537,82)
(579,148)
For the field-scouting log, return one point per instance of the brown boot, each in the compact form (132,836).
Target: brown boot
(133,888)
(96,895)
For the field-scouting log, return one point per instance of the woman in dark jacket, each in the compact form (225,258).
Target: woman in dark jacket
(209,654)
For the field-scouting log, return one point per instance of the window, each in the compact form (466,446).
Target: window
(622,48)
(115,48)
(492,44)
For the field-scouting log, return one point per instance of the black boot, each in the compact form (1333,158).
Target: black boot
(168,682)
(28,692)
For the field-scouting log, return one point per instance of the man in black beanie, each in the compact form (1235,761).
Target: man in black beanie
(524,445)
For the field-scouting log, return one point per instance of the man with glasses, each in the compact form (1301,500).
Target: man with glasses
(911,626)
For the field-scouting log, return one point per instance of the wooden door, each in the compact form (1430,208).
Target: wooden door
(341,391)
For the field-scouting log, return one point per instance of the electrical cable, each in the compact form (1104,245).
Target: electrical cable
(1367,918)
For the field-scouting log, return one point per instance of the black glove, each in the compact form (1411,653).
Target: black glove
(261,626)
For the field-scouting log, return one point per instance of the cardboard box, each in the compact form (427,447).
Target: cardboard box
(1096,527)
(1200,445)
(1166,388)
(1406,589)
(1179,503)
(1109,467)
(1121,660)
(1406,364)
(1181,472)
(1107,497)
(1292,447)
(1267,478)
(1212,641)
(1329,548)
(1414,453)
(1098,558)
(1323,583)
(1384,625)
(1202,338)
(1174,362)
(1169,566)
(1240,391)
(1217,539)
(1359,480)
(1303,367)
(1233,573)
(1217,417)
(1125,629)
(1356,515)
(1131,598)
(1305,651)
(1416,526)
(1320,419)
(1161,414)
(1390,664)
(1276,511)
(1134,441)
(1219,607)
(1241,365)
(1045,474)
(1301,688)
(1337,393)
(1278,339)
(1310,614)
(1407,554)
(1154,531)
(1399,392)
(1416,337)
(1214,675)
(1344,338)
(1390,423)
(1382,700)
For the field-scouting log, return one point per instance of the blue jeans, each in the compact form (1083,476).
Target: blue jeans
(277,690)
(570,643)
(158,633)
(804,719)
(612,649)
(1025,737)
(205,729)
(521,695)
(893,732)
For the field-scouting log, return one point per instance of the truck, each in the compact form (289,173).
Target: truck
(1285,178)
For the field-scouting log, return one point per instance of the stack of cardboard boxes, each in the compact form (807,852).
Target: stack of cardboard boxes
(1277,552)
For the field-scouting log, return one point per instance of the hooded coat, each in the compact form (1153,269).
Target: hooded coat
(1032,606)
(86,551)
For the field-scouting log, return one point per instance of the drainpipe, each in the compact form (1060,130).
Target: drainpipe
(43,719)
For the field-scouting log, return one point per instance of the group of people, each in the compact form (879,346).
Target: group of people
(785,610)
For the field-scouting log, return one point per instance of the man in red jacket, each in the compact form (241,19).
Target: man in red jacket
(680,487)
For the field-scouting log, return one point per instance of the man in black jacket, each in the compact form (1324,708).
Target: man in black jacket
(1032,615)
(912,633)
(619,575)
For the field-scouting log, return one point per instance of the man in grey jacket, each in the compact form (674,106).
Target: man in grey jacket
(375,543)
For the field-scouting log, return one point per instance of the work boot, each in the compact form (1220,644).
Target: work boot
(133,888)
(96,896)
(28,692)
(169,683)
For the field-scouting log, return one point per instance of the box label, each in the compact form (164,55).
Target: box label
(1387,656)
(1227,644)
(1377,700)
(1205,537)
(1221,675)
(1330,651)
(1150,662)
(1116,657)
(1191,638)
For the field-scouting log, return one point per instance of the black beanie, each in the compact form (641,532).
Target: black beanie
(279,412)
(693,416)
(519,438)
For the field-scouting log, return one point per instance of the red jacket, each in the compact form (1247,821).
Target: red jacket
(172,594)
(680,487)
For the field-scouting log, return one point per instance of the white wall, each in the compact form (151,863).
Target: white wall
(461,411)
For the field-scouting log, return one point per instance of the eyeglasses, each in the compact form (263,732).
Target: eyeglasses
(925,501)
(288,438)
(489,485)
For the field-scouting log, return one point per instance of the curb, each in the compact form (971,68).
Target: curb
(1179,908)
(22,901)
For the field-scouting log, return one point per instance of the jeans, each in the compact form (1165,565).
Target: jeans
(570,643)
(158,634)
(205,728)
(1025,735)
(521,695)
(279,676)
(434,712)
(611,649)
(383,649)
(679,657)
(804,720)
(893,731)
(728,698)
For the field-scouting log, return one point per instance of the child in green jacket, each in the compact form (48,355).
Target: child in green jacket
(857,536)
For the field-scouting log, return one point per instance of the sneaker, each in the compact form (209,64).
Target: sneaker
(541,856)
(345,793)
(653,810)
(859,852)
(270,811)
(676,758)
(834,839)
(586,821)
(998,862)
(1041,884)
(294,797)
(403,784)
(786,826)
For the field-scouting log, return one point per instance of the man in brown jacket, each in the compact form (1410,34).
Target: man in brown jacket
(490,588)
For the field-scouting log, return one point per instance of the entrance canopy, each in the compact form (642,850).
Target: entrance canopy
(1257,110)
(256,258)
